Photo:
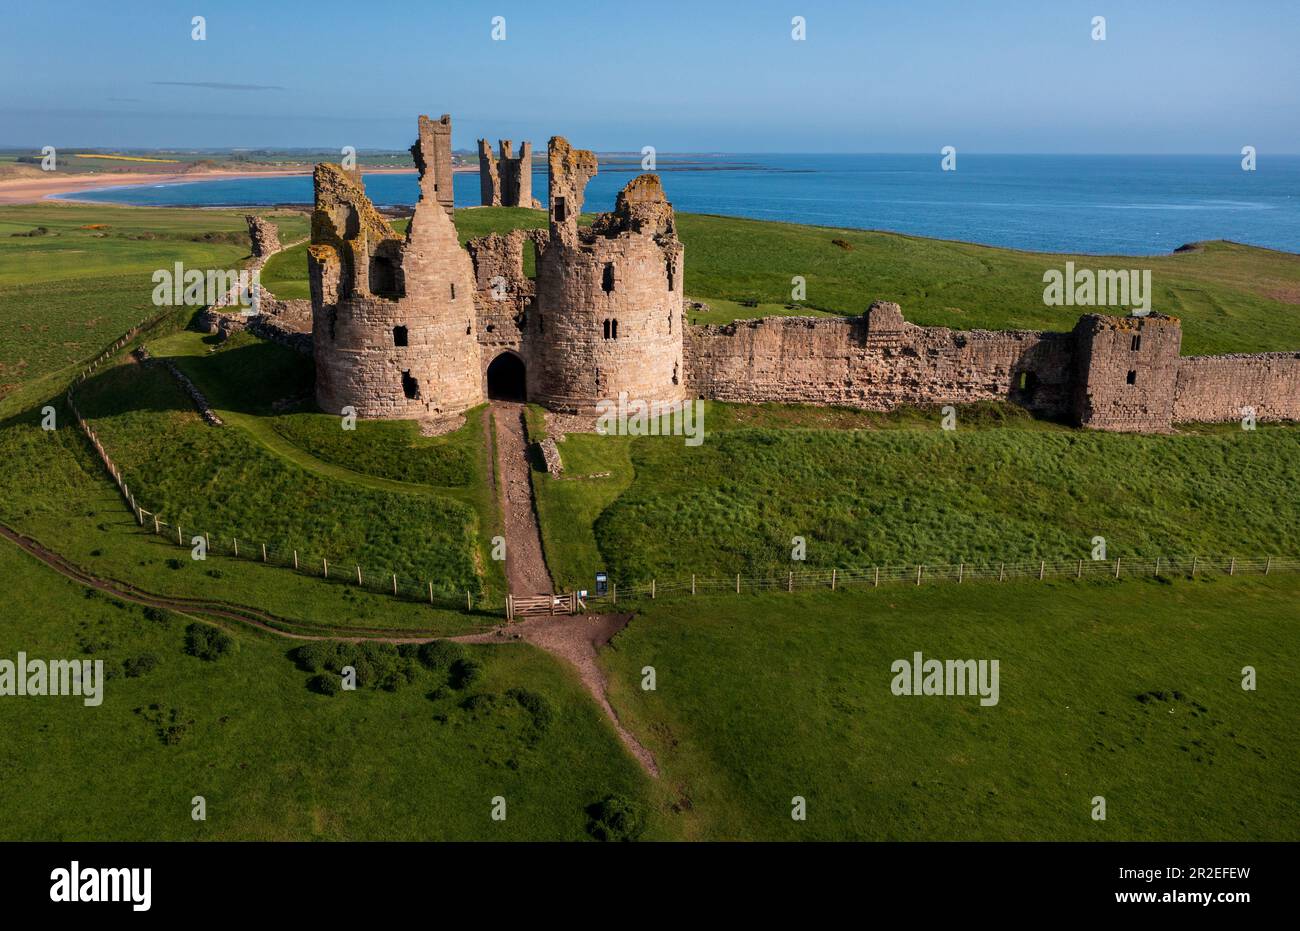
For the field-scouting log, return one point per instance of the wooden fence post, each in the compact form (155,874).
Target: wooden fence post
(1117,559)
(236,539)
(510,607)
(652,588)
(326,563)
(156,528)
(358,575)
(919,570)
(295,560)
(737,583)
(876,584)
(1232,566)
(1002,572)
(469,599)
(179,540)
(1079,573)
(832,580)
(613,592)
(1268,564)
(263,552)
(394,583)
(789,585)
(1042,567)
(1157,567)
(692,583)
(1194,559)
(961,568)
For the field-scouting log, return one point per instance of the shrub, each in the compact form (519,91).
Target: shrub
(324,684)
(536,705)
(615,818)
(440,654)
(156,615)
(465,672)
(207,642)
(141,665)
(483,701)
(312,657)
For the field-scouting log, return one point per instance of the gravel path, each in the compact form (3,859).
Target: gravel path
(525,565)
(576,640)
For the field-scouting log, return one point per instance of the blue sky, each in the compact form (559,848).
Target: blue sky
(878,76)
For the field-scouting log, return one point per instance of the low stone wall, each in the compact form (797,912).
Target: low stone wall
(200,401)
(1216,388)
(877,361)
(551,456)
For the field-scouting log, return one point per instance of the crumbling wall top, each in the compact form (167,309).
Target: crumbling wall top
(570,170)
(432,155)
(640,207)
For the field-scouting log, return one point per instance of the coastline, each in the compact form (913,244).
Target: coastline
(36,189)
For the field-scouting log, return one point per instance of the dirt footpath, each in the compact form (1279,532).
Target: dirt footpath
(576,640)
(526,570)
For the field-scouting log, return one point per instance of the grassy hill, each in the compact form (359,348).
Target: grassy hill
(1130,691)
(868,489)
(273,759)
(1126,690)
(73,278)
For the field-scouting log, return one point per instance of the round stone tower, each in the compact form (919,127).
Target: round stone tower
(393,319)
(609,297)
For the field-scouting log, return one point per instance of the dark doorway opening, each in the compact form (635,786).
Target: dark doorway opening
(505,378)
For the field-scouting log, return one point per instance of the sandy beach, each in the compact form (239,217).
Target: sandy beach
(30,189)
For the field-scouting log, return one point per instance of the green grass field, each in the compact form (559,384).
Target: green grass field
(897,489)
(762,698)
(1127,690)
(222,482)
(274,760)
(70,291)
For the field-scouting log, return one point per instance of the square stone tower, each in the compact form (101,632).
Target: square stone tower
(506,181)
(1127,372)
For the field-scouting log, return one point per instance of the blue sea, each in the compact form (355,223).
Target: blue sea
(1131,205)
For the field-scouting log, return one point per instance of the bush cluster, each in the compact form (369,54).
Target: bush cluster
(207,642)
(378,665)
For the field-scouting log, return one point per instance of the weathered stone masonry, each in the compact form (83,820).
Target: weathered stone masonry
(506,181)
(393,319)
(420,326)
(877,362)
(1109,373)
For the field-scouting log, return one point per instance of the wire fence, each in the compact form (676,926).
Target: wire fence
(202,544)
(439,595)
(1124,567)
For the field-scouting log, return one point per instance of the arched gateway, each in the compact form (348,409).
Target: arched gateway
(506,378)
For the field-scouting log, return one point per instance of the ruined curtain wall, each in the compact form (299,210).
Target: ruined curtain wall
(1216,388)
(862,362)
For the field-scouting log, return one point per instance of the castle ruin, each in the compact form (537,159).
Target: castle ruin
(506,181)
(418,326)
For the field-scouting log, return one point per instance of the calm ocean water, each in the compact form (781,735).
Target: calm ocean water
(1130,205)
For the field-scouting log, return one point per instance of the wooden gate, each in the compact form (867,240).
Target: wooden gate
(534,605)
